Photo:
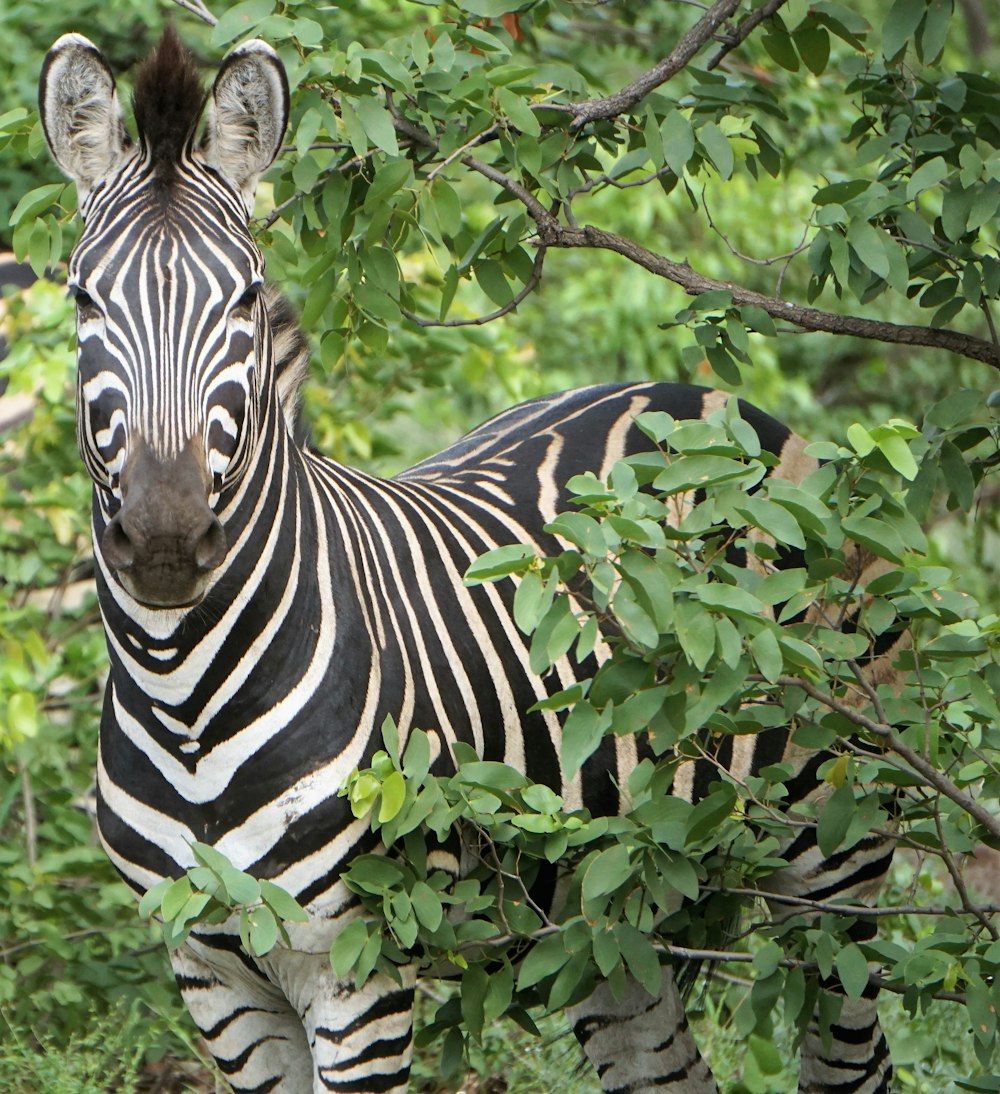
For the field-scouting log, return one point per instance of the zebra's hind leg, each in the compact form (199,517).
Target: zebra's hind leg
(256,1037)
(641,1044)
(855,1057)
(852,1056)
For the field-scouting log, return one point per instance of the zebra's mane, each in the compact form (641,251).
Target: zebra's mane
(291,357)
(167,102)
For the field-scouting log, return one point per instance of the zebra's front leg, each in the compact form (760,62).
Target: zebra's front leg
(255,1035)
(641,1044)
(852,1057)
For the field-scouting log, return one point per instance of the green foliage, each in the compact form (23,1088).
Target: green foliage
(700,650)
(212,892)
(850,150)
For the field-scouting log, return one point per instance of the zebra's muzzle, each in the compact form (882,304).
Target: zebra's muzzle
(165,541)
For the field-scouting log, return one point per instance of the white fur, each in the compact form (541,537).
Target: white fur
(80,112)
(247,115)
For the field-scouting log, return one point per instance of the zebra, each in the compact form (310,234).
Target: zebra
(266,607)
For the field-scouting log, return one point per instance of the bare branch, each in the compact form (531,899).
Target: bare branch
(694,283)
(196,7)
(861,911)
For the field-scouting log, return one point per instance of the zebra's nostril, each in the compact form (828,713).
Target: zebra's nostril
(211,547)
(116,546)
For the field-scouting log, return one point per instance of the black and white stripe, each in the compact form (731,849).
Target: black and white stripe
(266,608)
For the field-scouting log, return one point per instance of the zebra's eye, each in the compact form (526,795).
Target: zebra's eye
(246,302)
(84,301)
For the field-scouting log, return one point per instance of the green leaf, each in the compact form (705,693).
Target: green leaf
(35,202)
(393,797)
(678,141)
(427,905)
(852,969)
(499,562)
(870,245)
(239,20)
(767,654)
(519,112)
(607,872)
(642,960)
(377,124)
(813,44)
(489,275)
(903,19)
(779,45)
(347,947)
(719,150)
(773,519)
(545,958)
(240,887)
(22,715)
(282,903)
(897,452)
(839,192)
(262,932)
(835,817)
(927,176)
(175,896)
(152,898)
(582,732)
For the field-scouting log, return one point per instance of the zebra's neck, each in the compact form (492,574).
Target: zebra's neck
(267,618)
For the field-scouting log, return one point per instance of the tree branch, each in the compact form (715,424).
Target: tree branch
(196,7)
(622,101)
(553,234)
(694,283)
(743,31)
(891,741)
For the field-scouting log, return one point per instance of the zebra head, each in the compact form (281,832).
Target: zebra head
(174,342)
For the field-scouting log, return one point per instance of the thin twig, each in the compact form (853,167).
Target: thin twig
(30,816)
(743,31)
(471,143)
(862,911)
(529,286)
(787,257)
(196,7)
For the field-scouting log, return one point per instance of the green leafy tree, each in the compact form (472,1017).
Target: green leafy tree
(482,200)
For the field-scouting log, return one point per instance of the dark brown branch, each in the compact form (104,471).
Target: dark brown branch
(895,744)
(480,320)
(622,101)
(744,30)
(552,234)
(694,283)
(538,213)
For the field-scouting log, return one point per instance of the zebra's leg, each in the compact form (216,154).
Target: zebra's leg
(256,1037)
(361,1039)
(854,1057)
(641,1044)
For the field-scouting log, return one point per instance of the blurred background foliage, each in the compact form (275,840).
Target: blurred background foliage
(361,226)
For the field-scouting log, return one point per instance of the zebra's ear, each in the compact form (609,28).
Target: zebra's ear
(247,115)
(80,114)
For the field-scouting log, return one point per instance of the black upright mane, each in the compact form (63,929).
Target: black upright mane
(167,102)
